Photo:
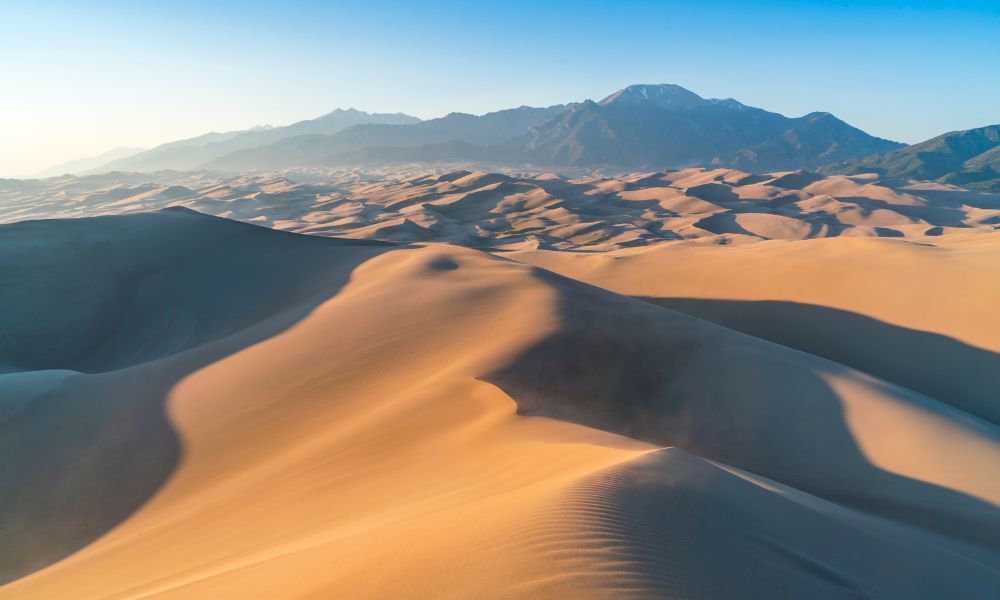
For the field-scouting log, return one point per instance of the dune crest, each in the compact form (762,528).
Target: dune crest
(586,211)
(919,313)
(375,421)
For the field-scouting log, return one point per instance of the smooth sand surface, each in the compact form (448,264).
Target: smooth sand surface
(200,408)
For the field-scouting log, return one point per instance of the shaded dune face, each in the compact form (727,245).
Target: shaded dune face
(60,494)
(935,365)
(658,376)
(272,415)
(109,314)
(918,314)
(345,421)
(671,524)
(137,288)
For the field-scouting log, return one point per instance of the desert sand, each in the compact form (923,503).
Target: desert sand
(694,384)
(496,211)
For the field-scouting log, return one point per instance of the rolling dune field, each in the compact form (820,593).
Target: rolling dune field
(696,384)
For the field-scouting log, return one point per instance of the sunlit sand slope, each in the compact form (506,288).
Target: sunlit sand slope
(204,409)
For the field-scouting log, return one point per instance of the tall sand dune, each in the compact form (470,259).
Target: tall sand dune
(200,408)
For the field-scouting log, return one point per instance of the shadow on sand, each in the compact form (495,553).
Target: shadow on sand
(938,366)
(625,366)
(83,426)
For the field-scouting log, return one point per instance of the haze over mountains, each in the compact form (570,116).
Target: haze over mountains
(428,140)
(90,163)
(193,153)
(638,127)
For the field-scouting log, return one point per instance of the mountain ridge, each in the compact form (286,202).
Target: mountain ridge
(83,165)
(969,158)
(641,126)
(192,153)
(481,130)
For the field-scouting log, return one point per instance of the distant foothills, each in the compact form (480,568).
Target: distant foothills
(636,128)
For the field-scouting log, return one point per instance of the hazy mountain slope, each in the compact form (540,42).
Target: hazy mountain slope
(637,127)
(483,130)
(969,158)
(180,154)
(813,141)
(194,152)
(641,126)
(82,165)
(452,152)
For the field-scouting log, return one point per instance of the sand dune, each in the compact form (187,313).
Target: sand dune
(918,313)
(585,211)
(203,409)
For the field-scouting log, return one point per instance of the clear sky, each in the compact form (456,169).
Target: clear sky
(79,78)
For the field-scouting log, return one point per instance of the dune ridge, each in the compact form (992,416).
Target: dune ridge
(586,210)
(202,408)
(915,312)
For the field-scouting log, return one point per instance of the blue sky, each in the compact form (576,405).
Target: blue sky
(79,78)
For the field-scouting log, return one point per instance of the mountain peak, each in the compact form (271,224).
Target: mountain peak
(728,103)
(343,111)
(666,95)
(360,116)
(825,119)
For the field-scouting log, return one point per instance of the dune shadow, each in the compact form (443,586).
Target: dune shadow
(936,365)
(84,429)
(723,223)
(681,526)
(713,192)
(974,198)
(939,213)
(796,180)
(630,368)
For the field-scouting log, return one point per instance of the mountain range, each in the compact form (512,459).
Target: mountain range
(426,139)
(87,164)
(660,126)
(968,158)
(193,153)
(638,127)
